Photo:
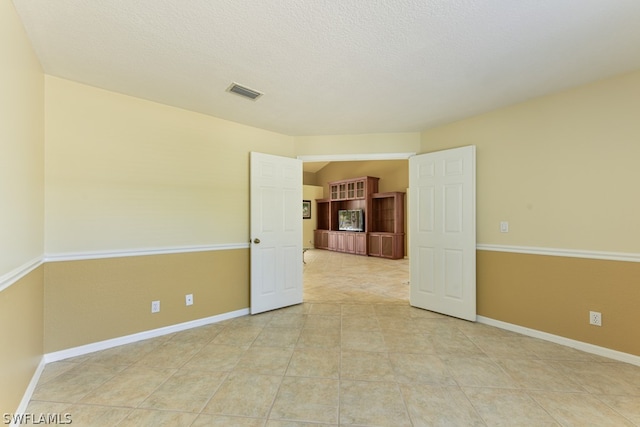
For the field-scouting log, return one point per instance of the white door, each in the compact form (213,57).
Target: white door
(276,232)
(442,208)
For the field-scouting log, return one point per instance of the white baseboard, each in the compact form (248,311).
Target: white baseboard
(103,345)
(22,408)
(128,339)
(578,345)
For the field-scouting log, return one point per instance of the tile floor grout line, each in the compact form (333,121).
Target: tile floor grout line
(475,409)
(178,370)
(275,396)
(543,408)
(613,409)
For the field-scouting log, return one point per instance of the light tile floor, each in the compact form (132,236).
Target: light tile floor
(355,353)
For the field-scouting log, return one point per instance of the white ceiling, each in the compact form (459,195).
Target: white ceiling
(335,67)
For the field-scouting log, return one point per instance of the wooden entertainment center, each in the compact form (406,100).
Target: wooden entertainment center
(382,233)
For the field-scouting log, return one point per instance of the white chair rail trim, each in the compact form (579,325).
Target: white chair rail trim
(16,274)
(142,252)
(571,253)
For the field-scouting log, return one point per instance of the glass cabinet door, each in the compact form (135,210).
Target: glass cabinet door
(334,192)
(351,190)
(360,189)
(342,191)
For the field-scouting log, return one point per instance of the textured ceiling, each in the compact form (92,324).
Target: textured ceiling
(335,67)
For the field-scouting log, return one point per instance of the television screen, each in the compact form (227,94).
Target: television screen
(351,220)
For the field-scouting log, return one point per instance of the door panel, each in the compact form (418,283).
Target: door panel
(443,231)
(426,280)
(276,232)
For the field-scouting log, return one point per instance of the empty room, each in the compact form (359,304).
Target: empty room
(469,178)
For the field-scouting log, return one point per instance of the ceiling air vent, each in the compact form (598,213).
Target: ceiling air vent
(244,91)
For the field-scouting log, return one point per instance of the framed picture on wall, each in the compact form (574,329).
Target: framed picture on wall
(306,209)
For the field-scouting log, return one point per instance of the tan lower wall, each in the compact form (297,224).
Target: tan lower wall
(555,294)
(94,300)
(21,335)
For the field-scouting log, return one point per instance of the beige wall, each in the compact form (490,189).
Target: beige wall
(125,173)
(95,300)
(21,145)
(310,192)
(309,178)
(563,170)
(393,174)
(22,209)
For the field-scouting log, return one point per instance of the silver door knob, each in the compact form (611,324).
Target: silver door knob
(256,240)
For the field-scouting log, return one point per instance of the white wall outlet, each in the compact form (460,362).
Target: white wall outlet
(504,226)
(595,318)
(188,299)
(155,306)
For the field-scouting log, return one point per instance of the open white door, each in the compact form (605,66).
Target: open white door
(442,209)
(276,232)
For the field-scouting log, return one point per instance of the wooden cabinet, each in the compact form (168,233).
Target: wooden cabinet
(352,242)
(387,211)
(323,214)
(383,233)
(386,245)
(386,237)
(321,239)
(341,241)
(360,244)
(354,188)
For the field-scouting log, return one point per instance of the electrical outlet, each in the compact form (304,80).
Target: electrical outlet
(155,306)
(504,226)
(188,299)
(595,318)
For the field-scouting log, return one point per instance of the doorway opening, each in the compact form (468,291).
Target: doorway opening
(340,278)
(347,278)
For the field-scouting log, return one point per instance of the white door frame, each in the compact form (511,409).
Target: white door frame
(355,157)
(360,157)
